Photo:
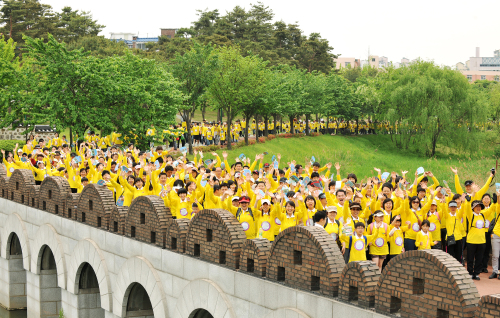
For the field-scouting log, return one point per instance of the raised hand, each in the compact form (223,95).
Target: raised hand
(455,171)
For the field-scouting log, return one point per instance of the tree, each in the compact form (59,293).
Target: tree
(143,93)
(72,89)
(437,105)
(9,75)
(193,70)
(236,82)
(26,17)
(75,24)
(314,54)
(98,46)
(339,98)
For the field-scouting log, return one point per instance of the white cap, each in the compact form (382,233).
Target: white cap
(331,208)
(235,198)
(138,166)
(265,201)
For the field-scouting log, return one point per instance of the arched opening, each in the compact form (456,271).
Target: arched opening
(89,298)
(200,313)
(138,303)
(16,277)
(50,293)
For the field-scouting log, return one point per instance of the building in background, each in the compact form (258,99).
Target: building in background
(481,68)
(133,41)
(168,32)
(346,62)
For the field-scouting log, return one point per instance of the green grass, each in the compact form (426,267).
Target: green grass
(360,154)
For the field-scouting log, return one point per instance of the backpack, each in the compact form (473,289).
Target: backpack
(347,253)
(371,227)
(238,214)
(470,225)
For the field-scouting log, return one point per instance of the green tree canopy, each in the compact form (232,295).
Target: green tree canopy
(432,105)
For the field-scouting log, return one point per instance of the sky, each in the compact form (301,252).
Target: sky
(444,31)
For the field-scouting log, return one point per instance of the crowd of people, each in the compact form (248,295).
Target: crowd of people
(376,219)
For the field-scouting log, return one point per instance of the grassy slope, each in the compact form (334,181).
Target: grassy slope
(361,153)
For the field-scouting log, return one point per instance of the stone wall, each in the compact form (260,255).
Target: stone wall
(306,257)
(426,283)
(216,236)
(17,134)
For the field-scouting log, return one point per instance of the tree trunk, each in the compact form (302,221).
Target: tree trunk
(70,138)
(266,126)
(247,119)
(188,134)
(256,118)
(292,126)
(281,123)
(357,125)
(203,110)
(275,127)
(307,124)
(228,136)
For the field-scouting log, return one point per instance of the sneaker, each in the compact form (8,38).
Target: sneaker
(493,275)
(476,277)
(485,270)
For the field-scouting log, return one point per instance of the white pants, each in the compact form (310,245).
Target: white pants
(495,247)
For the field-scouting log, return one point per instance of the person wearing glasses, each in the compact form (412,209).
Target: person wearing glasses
(415,215)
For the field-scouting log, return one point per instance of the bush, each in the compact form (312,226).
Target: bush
(9,145)
(271,136)
(316,134)
(262,139)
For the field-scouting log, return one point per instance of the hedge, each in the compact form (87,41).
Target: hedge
(9,145)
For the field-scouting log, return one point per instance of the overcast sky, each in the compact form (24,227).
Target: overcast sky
(446,31)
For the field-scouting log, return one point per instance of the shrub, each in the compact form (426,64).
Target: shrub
(262,139)
(271,136)
(316,134)
(9,145)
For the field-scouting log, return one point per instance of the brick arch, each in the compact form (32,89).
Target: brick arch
(71,205)
(227,237)
(194,296)
(254,256)
(33,196)
(3,171)
(151,210)
(489,306)
(359,279)
(95,205)
(426,283)
(52,196)
(47,235)
(138,269)
(19,183)
(176,235)
(3,186)
(14,224)
(309,245)
(117,219)
(87,251)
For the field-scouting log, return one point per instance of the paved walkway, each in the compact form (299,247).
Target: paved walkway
(487,286)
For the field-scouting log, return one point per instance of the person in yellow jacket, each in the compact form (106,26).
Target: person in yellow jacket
(434,216)
(476,241)
(396,237)
(355,245)
(495,242)
(424,239)
(379,249)
(246,217)
(265,218)
(289,216)
(453,218)
(9,163)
